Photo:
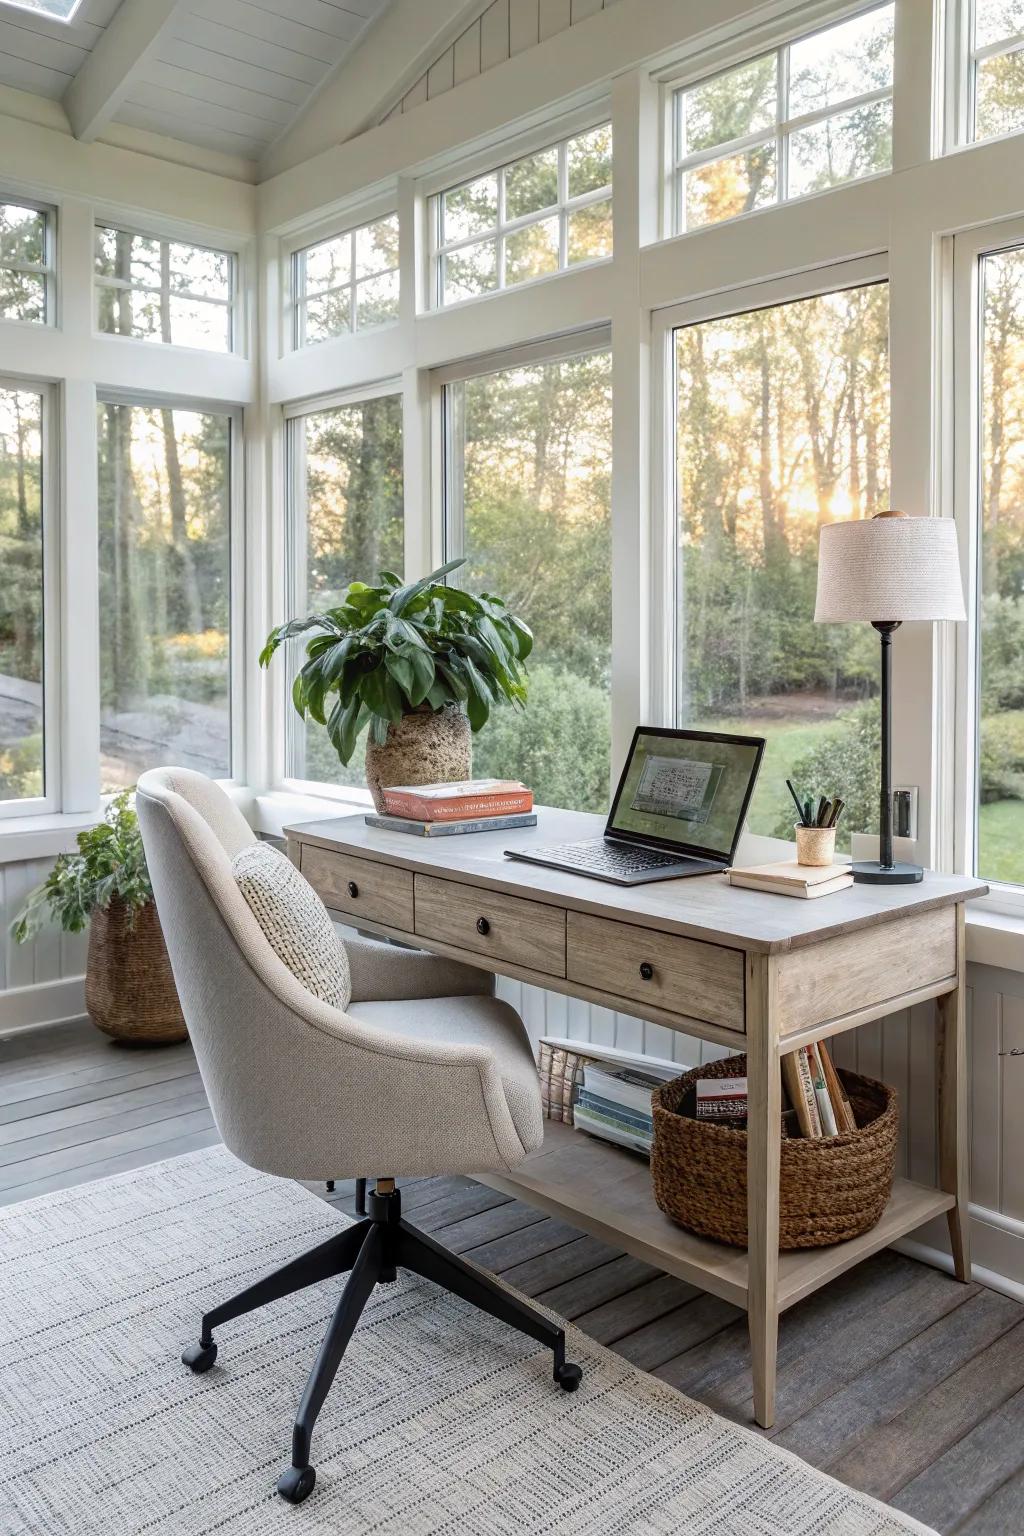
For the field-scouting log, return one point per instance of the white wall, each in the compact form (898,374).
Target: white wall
(43,980)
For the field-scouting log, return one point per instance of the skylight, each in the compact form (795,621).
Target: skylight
(60,10)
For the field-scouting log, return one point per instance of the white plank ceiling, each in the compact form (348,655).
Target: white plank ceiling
(229,75)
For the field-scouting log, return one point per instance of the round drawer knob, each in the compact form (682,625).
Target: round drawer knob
(353,889)
(483,927)
(647,970)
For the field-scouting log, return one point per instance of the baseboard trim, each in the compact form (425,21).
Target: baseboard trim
(997,1250)
(46,1002)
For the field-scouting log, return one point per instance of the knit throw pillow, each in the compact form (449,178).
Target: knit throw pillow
(295,922)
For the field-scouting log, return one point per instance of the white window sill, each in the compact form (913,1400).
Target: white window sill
(281,808)
(42,837)
(995,938)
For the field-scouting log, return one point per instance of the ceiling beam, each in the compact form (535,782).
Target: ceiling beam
(390,57)
(104,80)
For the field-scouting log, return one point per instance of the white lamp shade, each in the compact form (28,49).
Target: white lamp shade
(888,568)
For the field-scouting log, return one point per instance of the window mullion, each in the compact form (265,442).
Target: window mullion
(782,136)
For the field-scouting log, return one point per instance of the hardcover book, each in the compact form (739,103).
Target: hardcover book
(789,878)
(451,828)
(462,801)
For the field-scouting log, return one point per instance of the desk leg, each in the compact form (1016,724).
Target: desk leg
(954,1151)
(764,1133)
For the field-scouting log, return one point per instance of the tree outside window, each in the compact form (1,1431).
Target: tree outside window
(782,425)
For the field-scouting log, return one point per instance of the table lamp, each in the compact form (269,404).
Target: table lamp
(883,570)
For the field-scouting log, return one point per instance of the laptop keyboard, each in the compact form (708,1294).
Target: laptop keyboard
(607,857)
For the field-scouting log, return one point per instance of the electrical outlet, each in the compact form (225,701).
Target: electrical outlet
(904,811)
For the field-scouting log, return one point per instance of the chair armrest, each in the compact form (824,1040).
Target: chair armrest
(390,973)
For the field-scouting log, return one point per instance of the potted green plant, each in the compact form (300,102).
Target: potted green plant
(129,989)
(420,663)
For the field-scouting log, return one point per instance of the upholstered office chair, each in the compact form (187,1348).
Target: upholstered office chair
(425,1073)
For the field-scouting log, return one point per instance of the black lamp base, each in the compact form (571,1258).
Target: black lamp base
(871,872)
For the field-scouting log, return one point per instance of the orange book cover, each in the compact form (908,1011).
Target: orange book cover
(458,802)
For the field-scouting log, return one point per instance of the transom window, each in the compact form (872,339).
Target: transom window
(996,71)
(348,283)
(26,262)
(811,115)
(164,290)
(541,214)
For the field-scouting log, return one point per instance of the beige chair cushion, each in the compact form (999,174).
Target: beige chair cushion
(294,921)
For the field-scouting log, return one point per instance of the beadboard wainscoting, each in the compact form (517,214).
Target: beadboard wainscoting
(44,980)
(899,1050)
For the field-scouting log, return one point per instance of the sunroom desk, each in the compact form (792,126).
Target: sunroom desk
(744,969)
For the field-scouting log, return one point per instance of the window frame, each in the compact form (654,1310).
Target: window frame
(293,415)
(557,134)
(958,762)
(665,573)
(49,801)
(962,63)
(297,300)
(166,235)
(779,133)
(237,542)
(48,270)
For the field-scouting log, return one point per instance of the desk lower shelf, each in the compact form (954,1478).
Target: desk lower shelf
(607,1192)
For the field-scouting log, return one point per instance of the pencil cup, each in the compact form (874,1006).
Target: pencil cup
(815,845)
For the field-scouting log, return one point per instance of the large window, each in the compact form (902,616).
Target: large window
(164,526)
(345,473)
(1000,827)
(996,68)
(782,425)
(21,594)
(348,283)
(164,290)
(814,114)
(541,214)
(528,503)
(26,262)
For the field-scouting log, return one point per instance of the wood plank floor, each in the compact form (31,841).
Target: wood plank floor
(895,1379)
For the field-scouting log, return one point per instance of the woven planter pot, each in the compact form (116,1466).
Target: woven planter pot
(425,747)
(830,1189)
(129,988)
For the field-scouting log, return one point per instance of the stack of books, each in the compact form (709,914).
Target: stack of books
(816,1093)
(441,810)
(615,1103)
(792,879)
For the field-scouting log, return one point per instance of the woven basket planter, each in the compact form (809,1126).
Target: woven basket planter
(129,988)
(830,1189)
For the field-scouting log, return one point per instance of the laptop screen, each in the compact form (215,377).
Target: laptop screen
(686,790)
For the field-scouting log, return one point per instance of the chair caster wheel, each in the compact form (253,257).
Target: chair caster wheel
(568,1377)
(199,1357)
(296,1484)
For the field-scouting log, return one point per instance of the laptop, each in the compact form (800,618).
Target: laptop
(679,810)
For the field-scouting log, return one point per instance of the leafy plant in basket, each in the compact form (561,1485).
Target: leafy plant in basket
(129,989)
(421,663)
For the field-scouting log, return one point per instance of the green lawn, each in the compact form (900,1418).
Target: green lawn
(1001,841)
(787,741)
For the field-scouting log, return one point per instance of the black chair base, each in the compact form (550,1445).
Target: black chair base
(371,1252)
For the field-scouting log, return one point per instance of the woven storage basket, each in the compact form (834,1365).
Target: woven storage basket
(129,990)
(830,1188)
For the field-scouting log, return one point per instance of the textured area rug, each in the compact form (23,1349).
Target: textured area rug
(440,1421)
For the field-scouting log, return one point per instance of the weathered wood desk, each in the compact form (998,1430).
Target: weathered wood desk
(747,970)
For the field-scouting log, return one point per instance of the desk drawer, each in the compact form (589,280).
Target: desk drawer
(526,933)
(684,976)
(377,892)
